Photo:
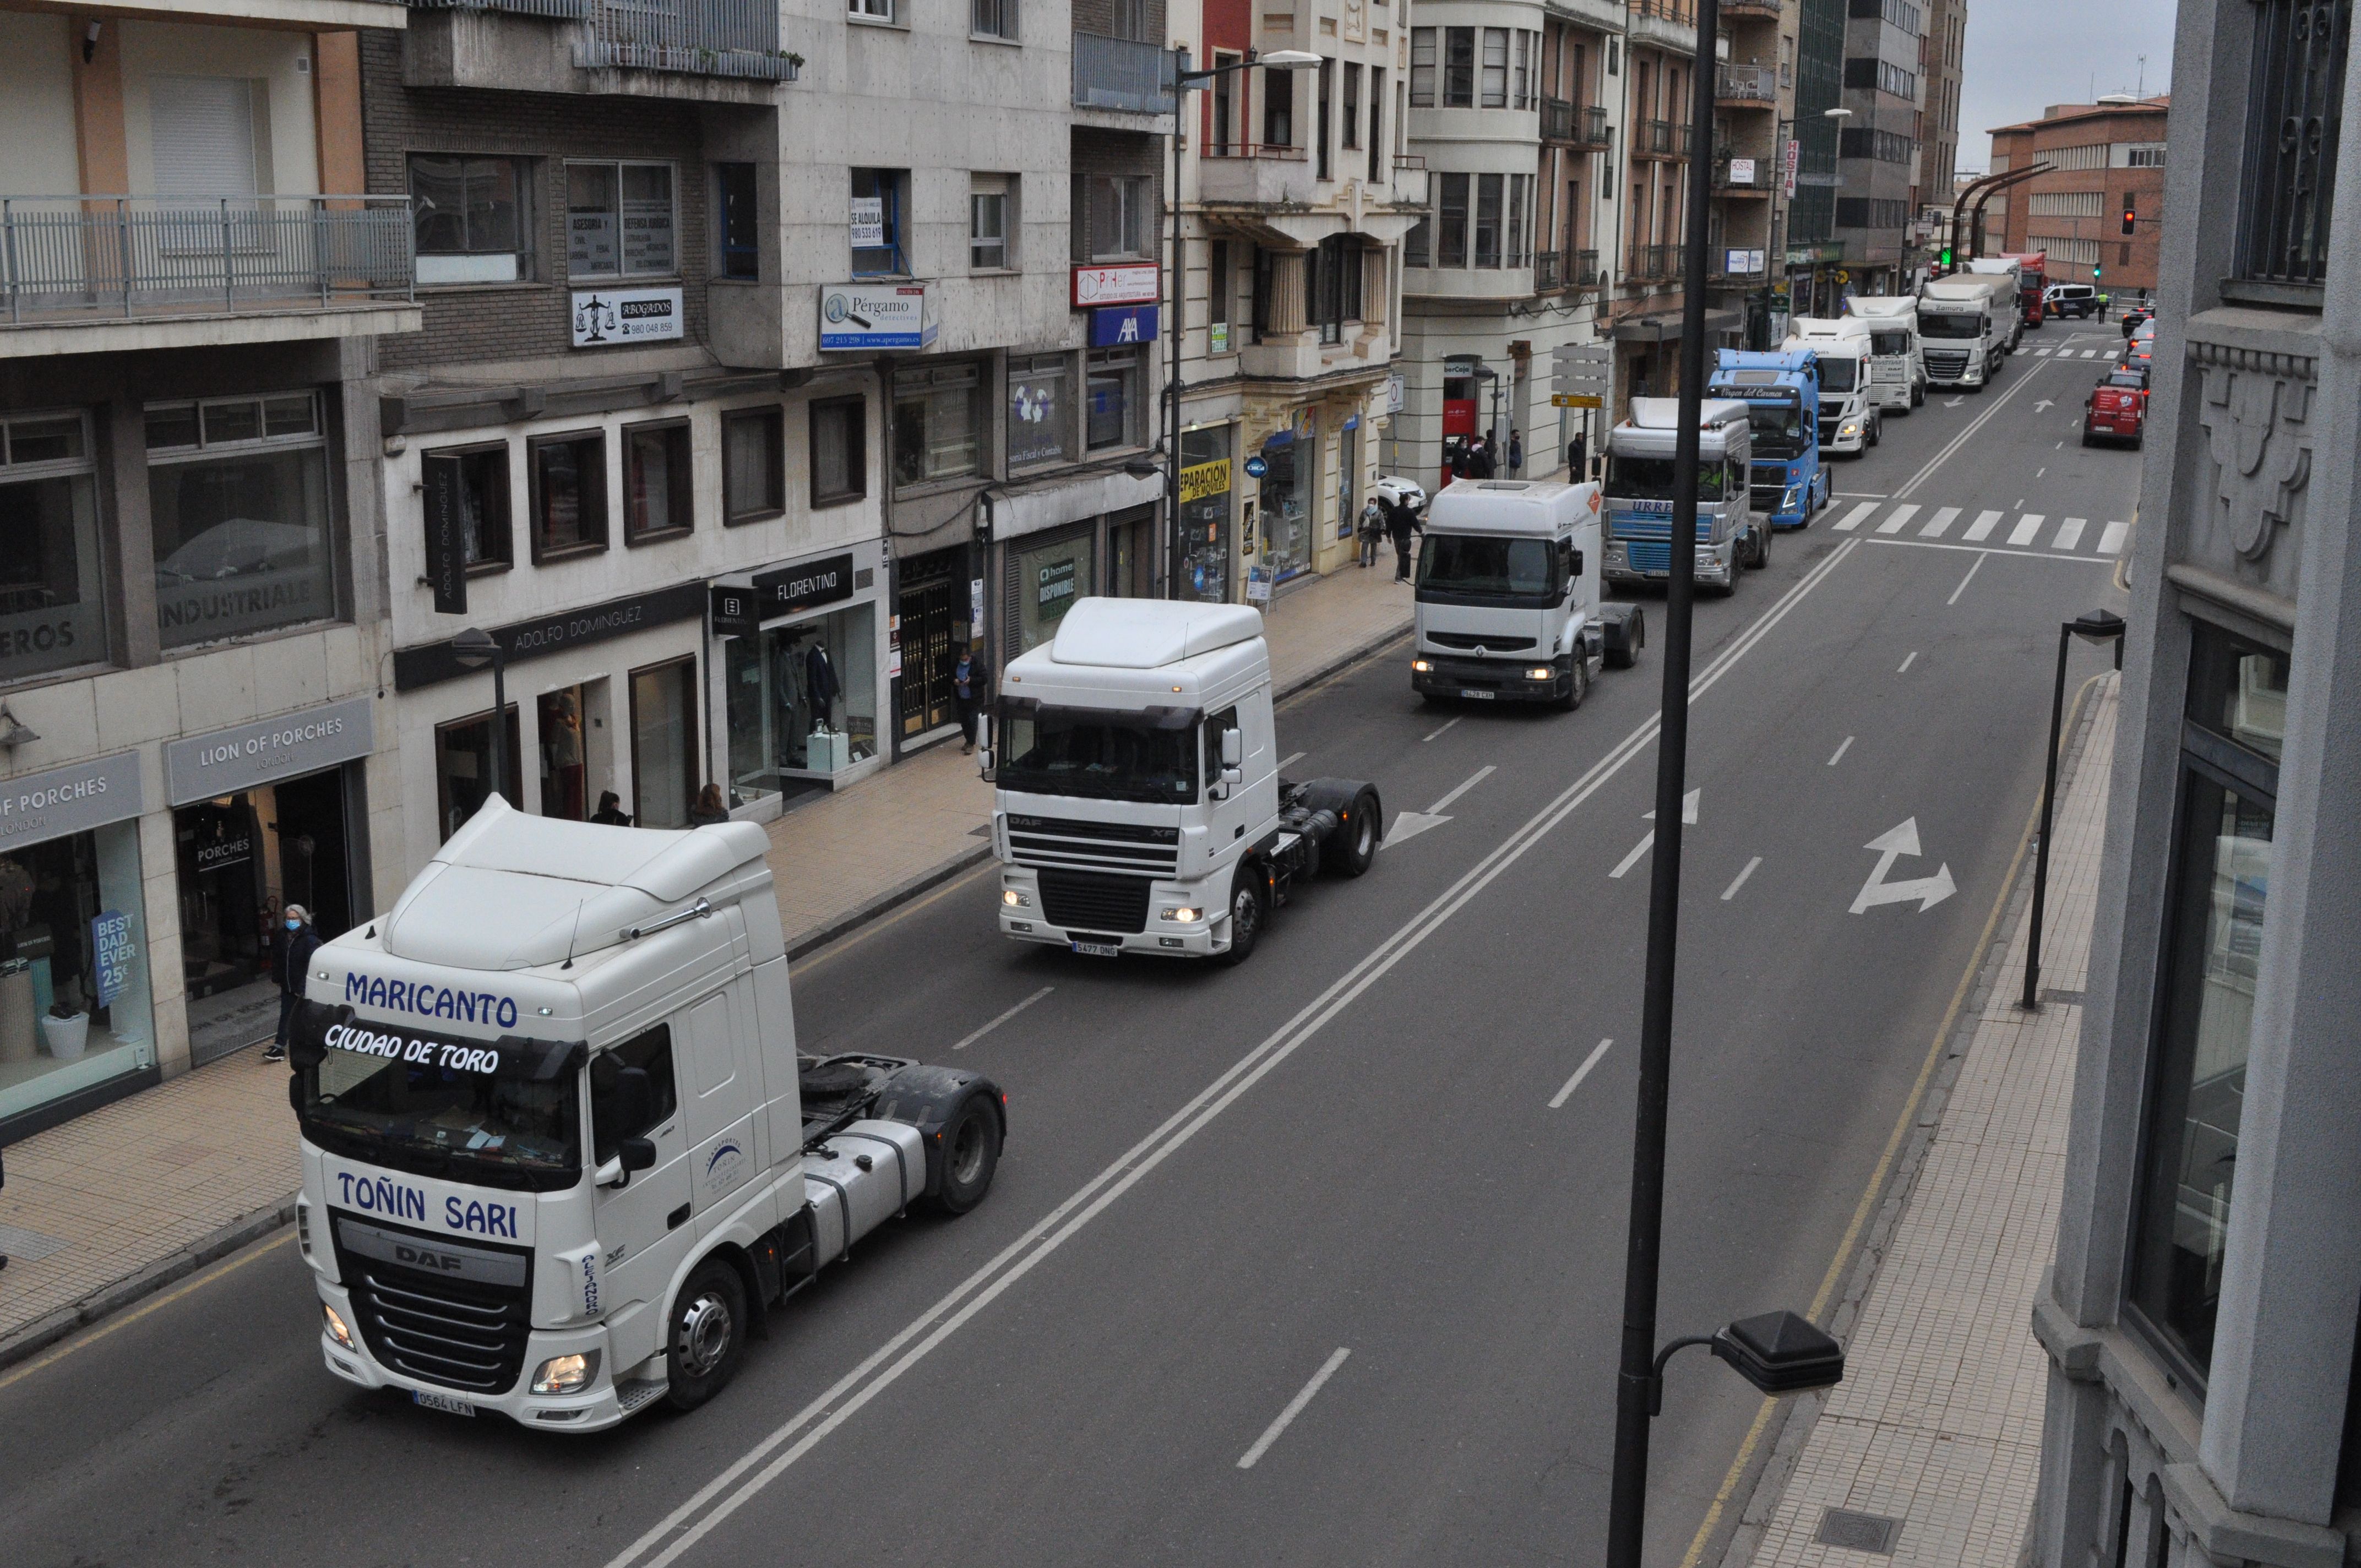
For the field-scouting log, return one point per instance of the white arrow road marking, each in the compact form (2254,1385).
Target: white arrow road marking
(1689,817)
(1955,402)
(1638,849)
(1890,846)
(1580,1073)
(1688,808)
(2042,404)
(1410,823)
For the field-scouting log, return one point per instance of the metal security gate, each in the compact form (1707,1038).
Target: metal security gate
(929,653)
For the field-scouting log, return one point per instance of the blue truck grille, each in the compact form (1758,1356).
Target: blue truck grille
(1644,527)
(1657,558)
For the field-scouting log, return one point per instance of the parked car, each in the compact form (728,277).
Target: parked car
(2139,350)
(2077,300)
(2116,409)
(2136,312)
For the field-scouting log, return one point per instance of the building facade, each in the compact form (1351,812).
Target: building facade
(1878,142)
(2107,161)
(1942,54)
(2202,1316)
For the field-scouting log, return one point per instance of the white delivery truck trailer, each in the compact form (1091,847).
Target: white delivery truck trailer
(2008,267)
(1963,322)
(1509,606)
(1849,420)
(1897,369)
(1140,807)
(560,1155)
(1638,495)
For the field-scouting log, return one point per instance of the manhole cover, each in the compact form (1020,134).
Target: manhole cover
(1858,1532)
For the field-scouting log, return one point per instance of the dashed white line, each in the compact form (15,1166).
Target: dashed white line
(1294,1408)
(1913,656)
(1465,785)
(1580,1073)
(1739,879)
(1638,849)
(1004,1018)
(1447,724)
(1837,755)
(1969,578)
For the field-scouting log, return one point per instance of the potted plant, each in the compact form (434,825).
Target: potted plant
(67,1031)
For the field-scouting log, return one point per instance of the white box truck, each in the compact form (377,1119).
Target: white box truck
(2013,268)
(1508,605)
(1849,420)
(1897,367)
(1140,808)
(1963,322)
(560,1156)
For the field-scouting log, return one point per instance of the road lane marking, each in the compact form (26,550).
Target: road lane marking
(2111,538)
(1294,1408)
(1853,519)
(1740,881)
(1447,724)
(1907,663)
(2027,526)
(1638,849)
(1856,496)
(2038,472)
(1580,1073)
(1972,570)
(1004,1018)
(2069,533)
(770,1456)
(1837,755)
(1940,523)
(1901,515)
(1479,776)
(1981,530)
(1290,757)
(1961,439)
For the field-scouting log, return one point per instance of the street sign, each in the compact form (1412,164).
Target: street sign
(1577,401)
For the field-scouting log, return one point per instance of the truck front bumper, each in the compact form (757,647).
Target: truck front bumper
(1492,680)
(1024,918)
(1716,564)
(1837,442)
(595,1406)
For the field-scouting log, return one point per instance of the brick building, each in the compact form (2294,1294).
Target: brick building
(2106,157)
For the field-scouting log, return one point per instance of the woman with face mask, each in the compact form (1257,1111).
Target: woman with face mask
(295,943)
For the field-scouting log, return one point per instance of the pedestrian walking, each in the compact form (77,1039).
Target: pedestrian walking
(290,960)
(1402,522)
(709,808)
(610,810)
(971,689)
(1516,452)
(1373,528)
(1481,462)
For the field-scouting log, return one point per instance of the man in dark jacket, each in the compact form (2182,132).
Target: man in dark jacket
(1401,521)
(972,690)
(292,961)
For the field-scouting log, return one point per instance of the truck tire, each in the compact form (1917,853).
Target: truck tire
(1635,639)
(970,1154)
(1357,845)
(1247,913)
(1577,688)
(1919,395)
(1762,554)
(706,1334)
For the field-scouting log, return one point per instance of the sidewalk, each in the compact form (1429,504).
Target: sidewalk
(121,1201)
(1927,1451)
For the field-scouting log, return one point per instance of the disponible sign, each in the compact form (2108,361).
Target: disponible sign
(70,800)
(1129,283)
(603,317)
(857,316)
(283,748)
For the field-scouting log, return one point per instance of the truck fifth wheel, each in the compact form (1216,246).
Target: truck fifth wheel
(1140,807)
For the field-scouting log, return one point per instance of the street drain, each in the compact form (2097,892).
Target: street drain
(1858,1532)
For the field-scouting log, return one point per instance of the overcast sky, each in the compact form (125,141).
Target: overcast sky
(2025,55)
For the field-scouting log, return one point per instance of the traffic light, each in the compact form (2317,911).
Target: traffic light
(2094,271)
(1947,259)
(2131,218)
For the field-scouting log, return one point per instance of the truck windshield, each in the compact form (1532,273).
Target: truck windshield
(1103,754)
(1458,568)
(1966,324)
(1889,342)
(496,1114)
(1836,374)
(1778,429)
(1631,479)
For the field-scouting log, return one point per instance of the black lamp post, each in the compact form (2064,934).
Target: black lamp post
(475,648)
(2091,626)
(1183,80)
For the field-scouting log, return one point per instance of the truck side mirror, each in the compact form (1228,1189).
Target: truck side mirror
(1234,749)
(636,1154)
(1229,776)
(983,769)
(1574,565)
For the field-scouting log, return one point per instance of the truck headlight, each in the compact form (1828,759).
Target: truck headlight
(1851,427)
(1541,673)
(565,1373)
(1015,899)
(1793,498)
(1420,666)
(1184,917)
(336,1329)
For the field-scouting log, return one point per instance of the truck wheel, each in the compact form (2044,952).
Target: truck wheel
(1761,548)
(1577,688)
(1635,635)
(970,1154)
(1359,846)
(707,1335)
(1246,915)
(1919,395)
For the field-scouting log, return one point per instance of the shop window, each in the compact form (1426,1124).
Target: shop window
(736,224)
(1047,580)
(839,451)
(753,465)
(1118,403)
(881,197)
(473,218)
(577,760)
(1205,495)
(237,494)
(1293,461)
(1038,411)
(620,221)
(1122,213)
(937,422)
(802,700)
(463,768)
(52,613)
(481,479)
(2218,892)
(990,228)
(72,934)
(663,743)
(569,494)
(659,482)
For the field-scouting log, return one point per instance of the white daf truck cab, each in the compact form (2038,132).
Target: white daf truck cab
(1897,367)
(1509,604)
(1140,807)
(560,1153)
(1851,421)
(1963,322)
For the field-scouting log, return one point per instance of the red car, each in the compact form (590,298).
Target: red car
(2117,407)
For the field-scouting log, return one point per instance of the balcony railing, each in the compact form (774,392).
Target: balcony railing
(2294,114)
(1122,75)
(63,256)
(560,10)
(1661,138)
(1583,270)
(1549,270)
(1557,119)
(699,37)
(1757,84)
(1750,10)
(1590,127)
(1653,263)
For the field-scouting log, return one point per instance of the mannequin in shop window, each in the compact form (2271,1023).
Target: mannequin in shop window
(564,743)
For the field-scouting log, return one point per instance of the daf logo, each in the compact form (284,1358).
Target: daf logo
(417,1257)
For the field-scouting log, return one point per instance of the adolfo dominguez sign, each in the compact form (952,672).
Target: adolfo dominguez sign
(434,661)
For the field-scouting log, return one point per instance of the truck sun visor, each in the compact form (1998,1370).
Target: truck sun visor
(1151,717)
(320,1027)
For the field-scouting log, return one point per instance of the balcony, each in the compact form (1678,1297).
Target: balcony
(1549,270)
(1669,25)
(1750,10)
(1661,138)
(694,38)
(1250,174)
(1583,270)
(95,273)
(1410,180)
(1654,264)
(703,50)
(1746,87)
(1742,176)
(1557,119)
(1122,75)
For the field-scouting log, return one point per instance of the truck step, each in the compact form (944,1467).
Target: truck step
(631,1396)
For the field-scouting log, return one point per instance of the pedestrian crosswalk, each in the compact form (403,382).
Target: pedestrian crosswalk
(2070,352)
(1996,530)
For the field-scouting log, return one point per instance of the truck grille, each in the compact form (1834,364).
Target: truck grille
(1947,364)
(1089,901)
(1043,841)
(1766,498)
(1650,558)
(457,1333)
(1490,642)
(1828,430)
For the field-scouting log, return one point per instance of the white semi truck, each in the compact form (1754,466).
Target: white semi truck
(1140,807)
(1963,321)
(560,1153)
(1897,367)
(1509,606)
(1850,419)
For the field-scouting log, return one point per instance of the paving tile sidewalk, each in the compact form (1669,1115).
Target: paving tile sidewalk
(120,1203)
(1938,1424)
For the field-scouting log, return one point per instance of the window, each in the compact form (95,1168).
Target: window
(664,741)
(569,493)
(1421,68)
(753,465)
(738,237)
(2294,121)
(52,611)
(938,421)
(1496,68)
(2219,889)
(650,1051)
(1333,289)
(473,218)
(619,221)
(870,10)
(1377,128)
(1118,406)
(1131,21)
(1451,248)
(1324,118)
(1352,127)
(1418,245)
(1520,195)
(1520,73)
(237,497)
(1221,285)
(988,225)
(479,479)
(1278,107)
(1038,411)
(993,18)
(1459,68)
(839,453)
(879,199)
(1488,220)
(2146,156)
(1121,215)
(463,767)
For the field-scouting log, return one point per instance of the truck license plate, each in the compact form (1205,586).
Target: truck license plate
(1100,949)
(443,1402)
(1479,696)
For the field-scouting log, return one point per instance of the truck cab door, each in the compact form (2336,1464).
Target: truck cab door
(642,1221)
(1232,812)
(721,1102)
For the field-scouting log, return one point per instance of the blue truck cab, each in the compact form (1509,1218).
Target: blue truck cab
(1781,389)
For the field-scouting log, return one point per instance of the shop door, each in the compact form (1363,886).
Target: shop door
(309,821)
(564,775)
(223,918)
(929,653)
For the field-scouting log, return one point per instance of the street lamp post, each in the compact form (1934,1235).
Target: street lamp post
(2091,626)
(475,648)
(1183,80)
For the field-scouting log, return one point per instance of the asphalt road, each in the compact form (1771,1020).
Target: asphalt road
(1361,1160)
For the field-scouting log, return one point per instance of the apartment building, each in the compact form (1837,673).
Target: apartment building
(191,593)
(1884,94)
(1816,255)
(1749,151)
(1941,60)
(2106,160)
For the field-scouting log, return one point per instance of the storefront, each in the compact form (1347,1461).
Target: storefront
(75,1016)
(1047,573)
(264,816)
(1290,477)
(933,598)
(799,660)
(1207,491)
